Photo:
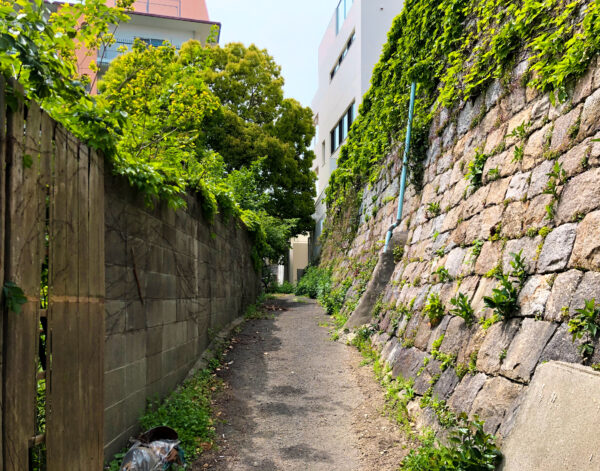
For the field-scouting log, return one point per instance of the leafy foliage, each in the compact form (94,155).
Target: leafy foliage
(586,322)
(434,309)
(157,108)
(188,412)
(504,298)
(14,297)
(470,449)
(454,50)
(256,124)
(462,308)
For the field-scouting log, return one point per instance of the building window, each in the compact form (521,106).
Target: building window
(323,153)
(341,13)
(340,132)
(338,63)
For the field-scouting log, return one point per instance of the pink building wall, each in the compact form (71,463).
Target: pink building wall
(190,9)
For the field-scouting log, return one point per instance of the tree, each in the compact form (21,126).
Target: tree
(257,124)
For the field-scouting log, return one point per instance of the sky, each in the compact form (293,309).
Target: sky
(290,30)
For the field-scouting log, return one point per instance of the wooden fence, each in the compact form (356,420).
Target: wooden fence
(51,355)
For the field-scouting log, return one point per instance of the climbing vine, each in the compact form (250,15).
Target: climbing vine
(454,50)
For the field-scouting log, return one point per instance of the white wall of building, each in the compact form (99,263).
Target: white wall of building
(370,20)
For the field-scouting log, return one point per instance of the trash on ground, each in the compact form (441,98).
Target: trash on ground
(155,450)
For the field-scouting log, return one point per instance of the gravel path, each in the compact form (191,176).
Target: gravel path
(295,400)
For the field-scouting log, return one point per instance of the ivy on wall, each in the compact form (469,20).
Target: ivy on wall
(454,50)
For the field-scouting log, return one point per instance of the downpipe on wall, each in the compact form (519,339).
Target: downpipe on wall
(386,265)
(411,109)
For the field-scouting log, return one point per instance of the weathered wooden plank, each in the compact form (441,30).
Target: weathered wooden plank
(57,401)
(2,223)
(22,266)
(86,354)
(96,290)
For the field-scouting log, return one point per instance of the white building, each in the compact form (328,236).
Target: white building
(349,50)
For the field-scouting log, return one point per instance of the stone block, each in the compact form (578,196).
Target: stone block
(475,202)
(465,393)
(517,189)
(513,219)
(588,288)
(423,334)
(573,161)
(580,195)
(526,348)
(557,248)
(533,153)
(586,252)
(564,127)
(589,116)
(539,178)
(528,246)
(408,362)
(563,290)
(455,336)
(535,216)
(497,191)
(494,140)
(489,221)
(455,260)
(561,347)
(425,378)
(554,420)
(495,345)
(493,401)
(491,254)
(445,385)
(584,85)
(493,94)
(485,287)
(437,332)
(534,295)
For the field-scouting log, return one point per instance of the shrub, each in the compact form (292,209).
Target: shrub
(284,288)
(470,449)
(462,308)
(586,321)
(314,283)
(434,309)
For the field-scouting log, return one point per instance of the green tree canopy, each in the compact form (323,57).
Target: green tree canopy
(257,124)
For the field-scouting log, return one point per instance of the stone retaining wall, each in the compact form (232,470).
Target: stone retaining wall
(172,281)
(507,214)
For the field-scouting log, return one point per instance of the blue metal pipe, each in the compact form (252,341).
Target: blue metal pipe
(411,108)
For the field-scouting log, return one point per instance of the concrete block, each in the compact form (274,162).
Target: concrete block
(135,377)
(556,420)
(154,340)
(114,387)
(114,352)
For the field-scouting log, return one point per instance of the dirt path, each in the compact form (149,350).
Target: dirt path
(295,400)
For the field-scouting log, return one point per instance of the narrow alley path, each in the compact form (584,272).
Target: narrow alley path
(295,400)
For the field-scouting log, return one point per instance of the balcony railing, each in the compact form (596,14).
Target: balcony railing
(108,54)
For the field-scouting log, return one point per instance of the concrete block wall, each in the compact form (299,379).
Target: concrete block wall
(505,215)
(172,280)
